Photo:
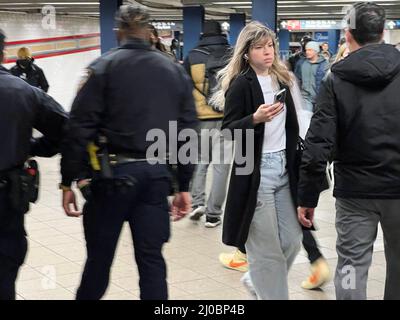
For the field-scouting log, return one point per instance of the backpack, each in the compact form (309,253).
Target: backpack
(216,61)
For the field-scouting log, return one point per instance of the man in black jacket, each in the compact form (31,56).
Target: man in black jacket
(130,91)
(22,108)
(356,125)
(203,63)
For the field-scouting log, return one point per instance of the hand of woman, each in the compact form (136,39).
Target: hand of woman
(266,112)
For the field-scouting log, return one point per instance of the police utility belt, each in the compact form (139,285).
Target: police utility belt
(103,162)
(21,185)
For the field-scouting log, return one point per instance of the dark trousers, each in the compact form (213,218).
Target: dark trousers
(13,246)
(311,246)
(357,223)
(144,205)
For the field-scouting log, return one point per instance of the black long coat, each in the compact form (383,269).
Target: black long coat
(242,100)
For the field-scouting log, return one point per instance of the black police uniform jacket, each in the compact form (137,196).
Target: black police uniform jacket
(356,124)
(129,91)
(22,108)
(242,100)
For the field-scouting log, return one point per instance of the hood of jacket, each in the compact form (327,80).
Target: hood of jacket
(213,40)
(371,66)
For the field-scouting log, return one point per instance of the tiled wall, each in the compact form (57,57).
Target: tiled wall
(29,26)
(63,72)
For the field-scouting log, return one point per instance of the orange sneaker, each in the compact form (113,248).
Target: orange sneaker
(320,275)
(235,261)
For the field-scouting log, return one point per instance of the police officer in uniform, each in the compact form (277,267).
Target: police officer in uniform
(129,91)
(22,108)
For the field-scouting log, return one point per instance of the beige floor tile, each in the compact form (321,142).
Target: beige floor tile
(184,275)
(55,294)
(62,268)
(224,294)
(129,284)
(231,280)
(196,287)
(45,260)
(28,273)
(120,296)
(34,285)
(375,288)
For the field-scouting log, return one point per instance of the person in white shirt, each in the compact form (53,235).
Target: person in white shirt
(260,210)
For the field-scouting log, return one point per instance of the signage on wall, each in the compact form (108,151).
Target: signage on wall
(321,36)
(164,25)
(296,25)
(291,25)
(393,24)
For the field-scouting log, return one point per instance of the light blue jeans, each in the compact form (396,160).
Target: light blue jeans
(275,234)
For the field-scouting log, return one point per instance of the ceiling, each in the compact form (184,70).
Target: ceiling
(163,10)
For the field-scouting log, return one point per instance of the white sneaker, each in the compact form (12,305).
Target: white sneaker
(248,284)
(197,212)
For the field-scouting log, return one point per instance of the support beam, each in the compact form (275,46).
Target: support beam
(237,22)
(193,20)
(108,9)
(265,11)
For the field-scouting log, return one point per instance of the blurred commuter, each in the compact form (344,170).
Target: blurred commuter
(22,108)
(300,56)
(261,209)
(356,124)
(202,64)
(325,51)
(342,53)
(28,71)
(157,44)
(310,72)
(176,49)
(129,91)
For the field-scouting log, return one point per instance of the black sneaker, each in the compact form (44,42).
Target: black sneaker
(212,222)
(197,212)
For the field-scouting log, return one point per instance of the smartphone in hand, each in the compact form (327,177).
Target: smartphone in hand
(280,96)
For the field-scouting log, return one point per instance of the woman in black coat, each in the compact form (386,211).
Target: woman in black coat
(28,71)
(260,210)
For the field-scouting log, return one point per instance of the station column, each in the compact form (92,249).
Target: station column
(333,40)
(193,19)
(108,9)
(237,22)
(265,11)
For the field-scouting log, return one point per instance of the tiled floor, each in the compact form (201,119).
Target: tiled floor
(57,252)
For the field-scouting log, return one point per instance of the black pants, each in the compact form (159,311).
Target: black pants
(144,205)
(13,246)
(311,246)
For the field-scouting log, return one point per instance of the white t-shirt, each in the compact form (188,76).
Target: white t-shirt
(275,131)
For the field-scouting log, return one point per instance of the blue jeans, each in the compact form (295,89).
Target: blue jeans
(275,234)
(218,147)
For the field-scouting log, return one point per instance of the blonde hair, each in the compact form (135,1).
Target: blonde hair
(341,52)
(251,35)
(24,53)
